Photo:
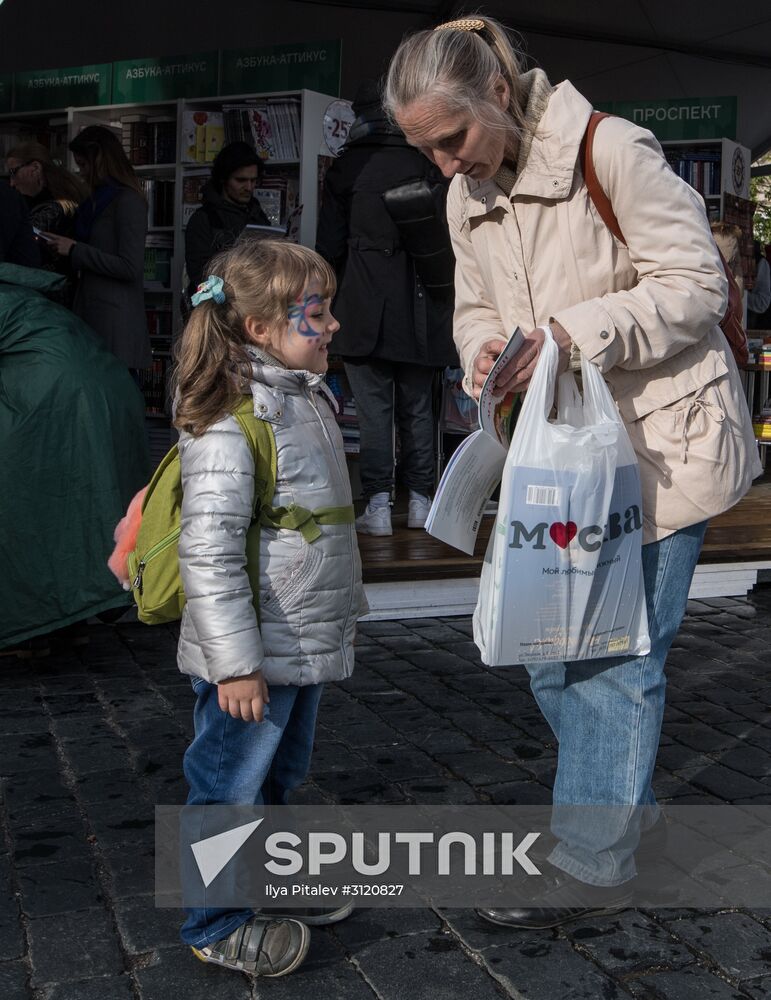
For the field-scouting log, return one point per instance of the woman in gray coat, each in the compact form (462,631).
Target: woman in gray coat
(108,251)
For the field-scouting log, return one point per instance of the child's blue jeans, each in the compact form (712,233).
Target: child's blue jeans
(236,762)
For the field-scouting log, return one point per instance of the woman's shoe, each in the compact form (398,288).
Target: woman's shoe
(561,898)
(260,947)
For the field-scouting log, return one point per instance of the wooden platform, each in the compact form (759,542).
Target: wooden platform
(411,574)
(742,533)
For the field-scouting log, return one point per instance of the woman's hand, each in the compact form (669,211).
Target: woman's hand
(515,377)
(61,244)
(244,697)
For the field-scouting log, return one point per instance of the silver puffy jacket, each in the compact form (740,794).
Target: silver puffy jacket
(310,594)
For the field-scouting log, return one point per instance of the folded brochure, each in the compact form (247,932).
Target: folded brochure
(476,466)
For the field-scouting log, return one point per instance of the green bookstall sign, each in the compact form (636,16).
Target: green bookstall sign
(680,118)
(6,91)
(165,78)
(305,65)
(38,90)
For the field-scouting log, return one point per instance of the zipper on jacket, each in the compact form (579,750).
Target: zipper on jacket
(312,401)
(151,554)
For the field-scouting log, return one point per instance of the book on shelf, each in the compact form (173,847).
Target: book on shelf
(250,123)
(203,135)
(284,114)
(159,325)
(153,384)
(159,193)
(701,169)
(163,138)
(157,269)
(135,139)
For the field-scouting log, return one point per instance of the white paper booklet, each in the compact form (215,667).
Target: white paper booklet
(476,466)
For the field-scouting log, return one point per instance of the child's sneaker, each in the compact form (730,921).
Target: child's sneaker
(418,509)
(261,947)
(376,519)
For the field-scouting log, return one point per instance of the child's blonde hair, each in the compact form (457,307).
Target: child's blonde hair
(261,278)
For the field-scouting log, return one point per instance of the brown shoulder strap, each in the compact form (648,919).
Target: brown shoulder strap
(596,193)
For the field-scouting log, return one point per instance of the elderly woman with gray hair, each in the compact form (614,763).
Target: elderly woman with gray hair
(532,249)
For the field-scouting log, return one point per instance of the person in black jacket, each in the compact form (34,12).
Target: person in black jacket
(393,332)
(17,240)
(229,206)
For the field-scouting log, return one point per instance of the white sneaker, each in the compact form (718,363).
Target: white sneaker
(375,521)
(418,509)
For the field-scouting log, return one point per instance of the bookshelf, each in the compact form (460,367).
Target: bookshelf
(713,167)
(171,145)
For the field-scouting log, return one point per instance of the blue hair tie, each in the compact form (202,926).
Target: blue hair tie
(212,288)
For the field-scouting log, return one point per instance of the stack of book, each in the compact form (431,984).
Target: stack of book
(153,383)
(158,248)
(764,356)
(272,127)
(159,327)
(250,123)
(284,117)
(762,428)
(136,139)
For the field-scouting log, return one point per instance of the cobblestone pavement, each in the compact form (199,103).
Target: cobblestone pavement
(91,738)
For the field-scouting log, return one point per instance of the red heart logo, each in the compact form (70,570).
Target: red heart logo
(562,534)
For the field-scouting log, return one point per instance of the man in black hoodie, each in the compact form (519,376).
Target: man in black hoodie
(229,206)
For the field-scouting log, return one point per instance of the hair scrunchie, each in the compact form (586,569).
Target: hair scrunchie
(212,288)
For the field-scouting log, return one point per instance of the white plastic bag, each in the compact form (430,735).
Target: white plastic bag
(562,577)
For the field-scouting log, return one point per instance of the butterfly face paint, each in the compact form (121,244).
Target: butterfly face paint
(302,344)
(306,315)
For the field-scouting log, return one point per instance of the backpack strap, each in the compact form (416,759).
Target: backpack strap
(593,186)
(262,442)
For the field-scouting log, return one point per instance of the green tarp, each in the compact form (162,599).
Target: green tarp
(73,452)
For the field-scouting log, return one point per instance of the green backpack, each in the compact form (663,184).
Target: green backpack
(154,563)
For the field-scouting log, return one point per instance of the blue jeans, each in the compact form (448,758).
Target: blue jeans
(236,762)
(384,390)
(607,715)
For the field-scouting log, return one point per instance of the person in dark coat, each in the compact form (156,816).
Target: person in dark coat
(393,332)
(17,240)
(229,206)
(73,452)
(52,195)
(108,252)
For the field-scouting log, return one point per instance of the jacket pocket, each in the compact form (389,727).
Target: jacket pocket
(639,393)
(287,590)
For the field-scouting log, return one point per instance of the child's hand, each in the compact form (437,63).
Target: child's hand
(244,697)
